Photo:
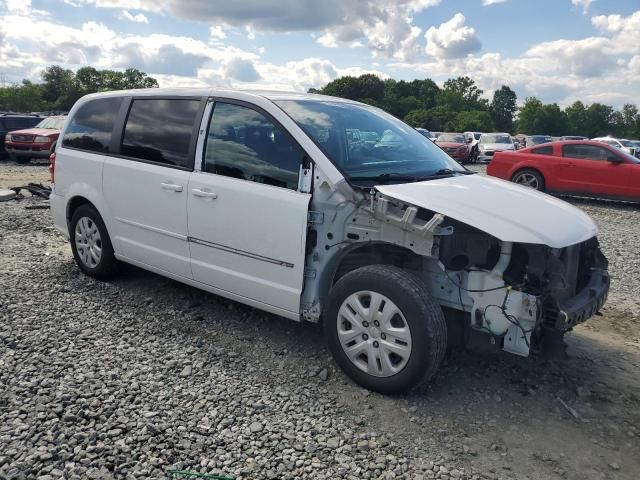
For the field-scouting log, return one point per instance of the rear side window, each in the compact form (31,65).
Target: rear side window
(586,152)
(91,126)
(243,143)
(160,130)
(546,150)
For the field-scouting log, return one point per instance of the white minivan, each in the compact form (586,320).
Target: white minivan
(324,210)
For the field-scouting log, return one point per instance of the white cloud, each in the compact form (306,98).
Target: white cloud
(18,7)
(585,4)
(242,70)
(138,18)
(217,32)
(452,39)
(387,27)
(492,2)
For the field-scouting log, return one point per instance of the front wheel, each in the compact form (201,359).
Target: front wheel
(384,329)
(529,178)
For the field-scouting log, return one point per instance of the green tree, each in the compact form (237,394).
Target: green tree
(536,117)
(417,118)
(59,88)
(474,121)
(576,118)
(598,120)
(631,121)
(503,108)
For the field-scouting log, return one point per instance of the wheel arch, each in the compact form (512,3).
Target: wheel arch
(358,255)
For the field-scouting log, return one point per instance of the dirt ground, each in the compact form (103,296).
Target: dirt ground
(498,415)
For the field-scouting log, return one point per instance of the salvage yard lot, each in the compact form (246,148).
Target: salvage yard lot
(135,377)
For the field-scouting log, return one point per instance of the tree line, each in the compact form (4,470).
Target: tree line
(60,88)
(459,106)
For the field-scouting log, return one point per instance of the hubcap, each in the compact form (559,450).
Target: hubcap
(381,348)
(527,180)
(88,242)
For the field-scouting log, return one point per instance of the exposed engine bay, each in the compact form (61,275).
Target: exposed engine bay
(517,293)
(517,296)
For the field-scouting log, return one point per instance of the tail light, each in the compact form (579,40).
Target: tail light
(52,166)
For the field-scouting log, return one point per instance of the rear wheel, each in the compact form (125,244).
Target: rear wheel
(529,178)
(384,329)
(91,245)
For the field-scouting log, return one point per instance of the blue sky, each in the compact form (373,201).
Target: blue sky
(558,50)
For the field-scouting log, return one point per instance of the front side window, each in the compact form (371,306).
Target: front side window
(160,130)
(400,153)
(91,126)
(243,143)
(586,152)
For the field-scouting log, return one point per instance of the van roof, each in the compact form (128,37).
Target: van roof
(220,92)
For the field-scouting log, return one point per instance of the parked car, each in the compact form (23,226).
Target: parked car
(425,133)
(37,142)
(472,139)
(490,143)
(531,140)
(621,143)
(573,137)
(455,145)
(583,168)
(15,121)
(398,250)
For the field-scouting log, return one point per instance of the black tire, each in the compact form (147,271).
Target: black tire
(423,316)
(108,266)
(521,174)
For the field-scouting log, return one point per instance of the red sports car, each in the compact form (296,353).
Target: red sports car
(455,145)
(581,168)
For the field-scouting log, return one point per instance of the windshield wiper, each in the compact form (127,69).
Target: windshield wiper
(446,172)
(385,177)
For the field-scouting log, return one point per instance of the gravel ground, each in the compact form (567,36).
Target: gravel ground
(140,376)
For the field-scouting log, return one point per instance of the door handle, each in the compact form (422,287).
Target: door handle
(171,186)
(204,193)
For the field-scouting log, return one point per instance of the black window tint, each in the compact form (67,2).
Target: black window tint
(160,130)
(586,152)
(90,128)
(243,143)
(546,150)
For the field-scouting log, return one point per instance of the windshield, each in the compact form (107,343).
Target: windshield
(451,138)
(627,143)
(51,123)
(491,138)
(539,139)
(399,152)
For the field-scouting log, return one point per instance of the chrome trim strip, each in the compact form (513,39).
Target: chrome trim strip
(240,252)
(153,229)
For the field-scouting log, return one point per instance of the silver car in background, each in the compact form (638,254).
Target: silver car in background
(491,143)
